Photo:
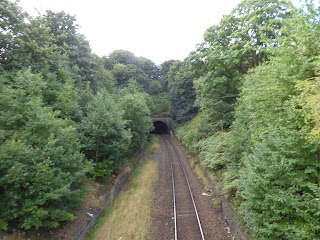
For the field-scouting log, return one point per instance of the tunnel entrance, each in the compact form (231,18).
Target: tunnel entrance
(160,128)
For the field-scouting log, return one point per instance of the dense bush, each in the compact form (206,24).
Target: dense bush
(212,150)
(160,104)
(308,100)
(107,141)
(278,181)
(136,113)
(181,92)
(278,185)
(238,43)
(192,132)
(54,94)
(41,167)
(270,155)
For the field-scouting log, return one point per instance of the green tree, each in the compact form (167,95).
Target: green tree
(160,104)
(11,27)
(33,47)
(149,67)
(107,139)
(239,42)
(102,78)
(134,65)
(25,42)
(271,158)
(123,73)
(155,88)
(181,92)
(136,113)
(164,70)
(308,100)
(62,26)
(41,168)
(122,57)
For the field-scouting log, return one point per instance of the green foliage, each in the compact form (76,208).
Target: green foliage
(159,90)
(64,30)
(308,100)
(194,131)
(149,67)
(125,65)
(25,44)
(279,184)
(127,58)
(267,153)
(52,88)
(164,70)
(123,73)
(102,78)
(276,168)
(33,47)
(103,168)
(155,88)
(122,57)
(12,23)
(106,135)
(160,104)
(239,42)
(41,167)
(181,92)
(136,113)
(212,150)
(217,96)
(11,27)
(257,60)
(66,97)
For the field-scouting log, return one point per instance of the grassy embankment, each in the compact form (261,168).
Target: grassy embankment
(129,217)
(206,152)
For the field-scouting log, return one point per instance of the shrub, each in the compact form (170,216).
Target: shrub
(106,138)
(212,150)
(41,168)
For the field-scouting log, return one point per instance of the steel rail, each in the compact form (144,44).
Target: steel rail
(190,191)
(174,194)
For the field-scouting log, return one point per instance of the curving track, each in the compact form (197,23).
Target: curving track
(187,224)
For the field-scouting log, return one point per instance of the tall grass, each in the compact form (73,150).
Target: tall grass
(129,217)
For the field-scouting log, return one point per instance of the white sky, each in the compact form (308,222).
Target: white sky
(156,29)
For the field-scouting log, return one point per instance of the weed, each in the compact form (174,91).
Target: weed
(129,217)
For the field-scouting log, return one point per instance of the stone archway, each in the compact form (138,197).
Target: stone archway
(162,124)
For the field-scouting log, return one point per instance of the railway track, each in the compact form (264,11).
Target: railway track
(187,223)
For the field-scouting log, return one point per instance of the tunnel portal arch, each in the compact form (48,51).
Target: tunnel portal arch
(162,124)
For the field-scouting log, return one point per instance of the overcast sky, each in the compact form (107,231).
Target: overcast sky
(156,29)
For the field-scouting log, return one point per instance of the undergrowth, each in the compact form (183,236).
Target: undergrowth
(129,217)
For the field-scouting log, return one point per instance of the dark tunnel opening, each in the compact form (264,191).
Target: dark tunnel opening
(160,128)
